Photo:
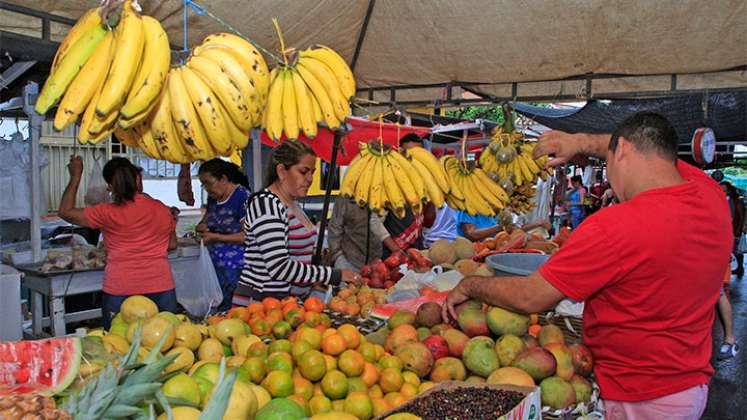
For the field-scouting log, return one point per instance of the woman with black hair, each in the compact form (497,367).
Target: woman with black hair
(221,226)
(138,233)
(280,238)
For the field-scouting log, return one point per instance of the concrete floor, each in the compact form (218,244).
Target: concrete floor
(726,399)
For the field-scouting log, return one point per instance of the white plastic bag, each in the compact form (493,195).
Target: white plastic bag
(198,290)
(96,192)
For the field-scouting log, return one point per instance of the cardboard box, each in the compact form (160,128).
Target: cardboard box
(530,408)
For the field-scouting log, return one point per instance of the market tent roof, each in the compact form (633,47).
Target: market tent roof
(725,113)
(482,46)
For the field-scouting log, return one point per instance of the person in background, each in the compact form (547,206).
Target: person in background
(443,227)
(595,193)
(575,201)
(729,348)
(221,226)
(649,285)
(280,238)
(356,235)
(479,227)
(138,233)
(406,232)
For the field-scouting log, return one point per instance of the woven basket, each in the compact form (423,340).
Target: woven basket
(572,326)
(592,410)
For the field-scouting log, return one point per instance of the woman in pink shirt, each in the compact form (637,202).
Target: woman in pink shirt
(138,233)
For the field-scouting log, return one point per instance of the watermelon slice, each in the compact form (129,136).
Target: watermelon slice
(46,366)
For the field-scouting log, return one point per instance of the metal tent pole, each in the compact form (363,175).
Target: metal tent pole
(30,93)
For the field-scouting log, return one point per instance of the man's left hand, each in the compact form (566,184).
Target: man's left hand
(456,296)
(210,237)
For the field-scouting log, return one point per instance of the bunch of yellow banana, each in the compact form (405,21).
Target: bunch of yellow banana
(508,156)
(384,179)
(314,87)
(522,198)
(472,190)
(108,77)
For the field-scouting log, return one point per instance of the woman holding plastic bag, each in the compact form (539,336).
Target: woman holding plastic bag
(222,225)
(138,233)
(280,238)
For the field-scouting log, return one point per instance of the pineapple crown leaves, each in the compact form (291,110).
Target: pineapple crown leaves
(219,400)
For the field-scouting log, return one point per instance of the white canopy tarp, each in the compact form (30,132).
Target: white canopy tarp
(493,42)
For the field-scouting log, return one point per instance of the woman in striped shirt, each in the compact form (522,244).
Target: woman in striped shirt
(280,239)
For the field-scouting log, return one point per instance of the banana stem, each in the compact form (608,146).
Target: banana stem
(508,119)
(282,41)
(464,150)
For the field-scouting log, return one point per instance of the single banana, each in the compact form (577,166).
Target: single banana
(451,177)
(377,186)
(186,121)
(239,137)
(412,174)
(84,86)
(251,60)
(337,64)
(274,109)
(435,194)
(318,117)
(490,186)
(468,199)
(320,93)
(164,133)
(86,22)
(88,115)
(363,186)
(396,200)
(289,106)
(323,73)
(68,67)
(99,124)
(147,142)
(405,185)
(353,172)
(129,39)
(223,87)
(206,104)
(434,166)
(304,105)
(151,76)
(126,137)
(481,205)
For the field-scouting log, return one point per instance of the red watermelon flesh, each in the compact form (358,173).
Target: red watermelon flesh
(42,366)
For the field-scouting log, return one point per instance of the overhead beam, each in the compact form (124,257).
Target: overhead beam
(362,34)
(27,48)
(45,17)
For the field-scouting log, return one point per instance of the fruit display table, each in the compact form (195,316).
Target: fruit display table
(52,288)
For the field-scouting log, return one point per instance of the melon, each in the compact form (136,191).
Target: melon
(46,367)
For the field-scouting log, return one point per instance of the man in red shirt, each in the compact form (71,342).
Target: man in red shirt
(649,270)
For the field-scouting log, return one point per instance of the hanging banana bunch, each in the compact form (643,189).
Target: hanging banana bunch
(385,180)
(310,87)
(508,157)
(471,189)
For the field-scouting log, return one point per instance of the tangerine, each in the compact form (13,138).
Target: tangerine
(351,335)
(258,349)
(370,375)
(313,304)
(278,383)
(281,345)
(280,361)
(289,307)
(319,404)
(391,362)
(328,332)
(256,308)
(330,361)
(411,378)
(303,387)
(239,312)
(259,327)
(368,351)
(375,392)
(334,344)
(294,317)
(408,390)
(312,365)
(310,335)
(390,380)
(359,404)
(356,384)
(351,363)
(256,368)
(281,329)
(311,319)
(380,406)
(299,348)
(335,385)
(395,399)
(270,303)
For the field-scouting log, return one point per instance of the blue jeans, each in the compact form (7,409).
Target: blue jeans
(228,279)
(166,301)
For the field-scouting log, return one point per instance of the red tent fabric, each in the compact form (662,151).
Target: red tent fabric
(363,130)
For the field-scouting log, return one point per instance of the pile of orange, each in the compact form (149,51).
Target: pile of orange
(357,302)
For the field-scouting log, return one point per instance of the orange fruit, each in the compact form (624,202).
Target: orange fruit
(294,317)
(215,319)
(390,380)
(395,399)
(375,392)
(408,390)
(278,383)
(313,365)
(351,335)
(328,332)
(379,351)
(311,319)
(351,363)
(281,345)
(380,406)
(534,330)
(270,303)
(239,312)
(311,336)
(273,316)
(258,349)
(391,362)
(356,384)
(299,348)
(335,385)
(334,344)
(281,329)
(370,375)
(256,308)
(313,304)
(411,378)
(303,387)
(368,351)
(260,327)
(288,307)
(319,404)
(280,361)
(256,368)
(330,361)
(289,299)
(359,404)
(298,399)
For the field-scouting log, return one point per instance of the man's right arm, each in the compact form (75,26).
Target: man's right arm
(565,146)
(474,234)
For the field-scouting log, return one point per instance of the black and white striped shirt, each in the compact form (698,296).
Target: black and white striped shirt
(268,265)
